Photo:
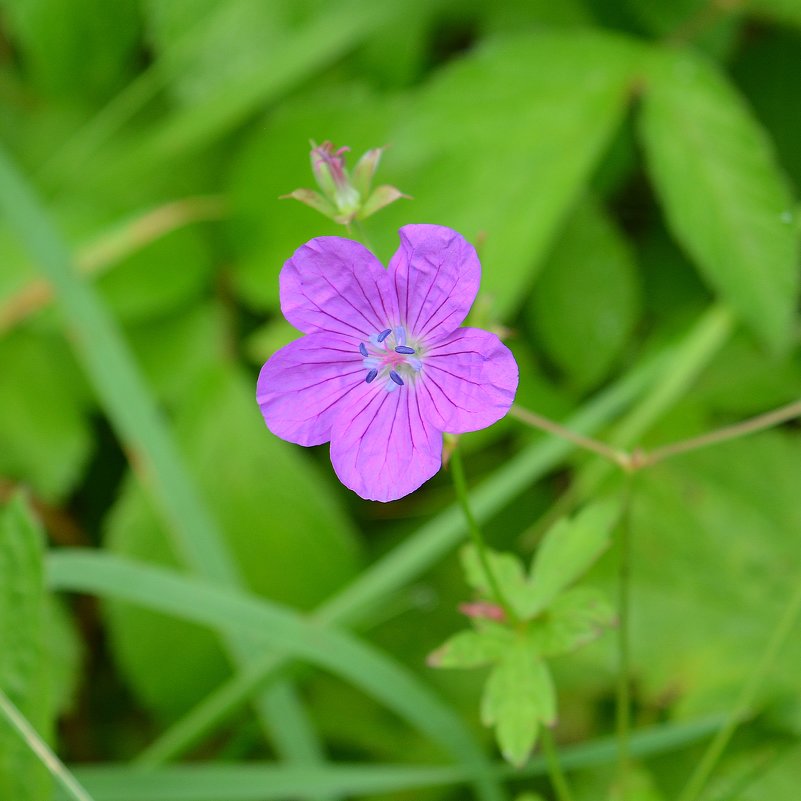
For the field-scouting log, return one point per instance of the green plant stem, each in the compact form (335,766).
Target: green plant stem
(745,700)
(460,484)
(759,423)
(623,696)
(39,747)
(555,772)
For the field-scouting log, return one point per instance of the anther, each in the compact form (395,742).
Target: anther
(363,349)
(396,378)
(371,376)
(405,349)
(384,334)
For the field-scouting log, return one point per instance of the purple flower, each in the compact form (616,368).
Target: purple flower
(384,368)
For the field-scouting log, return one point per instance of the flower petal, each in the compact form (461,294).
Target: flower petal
(468,381)
(301,387)
(384,448)
(335,284)
(436,274)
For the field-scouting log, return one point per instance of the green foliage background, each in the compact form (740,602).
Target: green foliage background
(629,172)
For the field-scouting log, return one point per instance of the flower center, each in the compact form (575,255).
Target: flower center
(389,358)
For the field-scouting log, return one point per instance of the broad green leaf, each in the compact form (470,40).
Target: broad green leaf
(760,71)
(317,36)
(80,48)
(469,649)
(519,696)
(511,133)
(716,550)
(785,11)
(575,618)
(43,443)
(568,550)
(724,197)
(290,537)
(23,663)
(278,627)
(586,301)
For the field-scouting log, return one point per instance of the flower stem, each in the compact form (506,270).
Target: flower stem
(618,457)
(41,749)
(754,424)
(555,773)
(745,700)
(623,697)
(460,485)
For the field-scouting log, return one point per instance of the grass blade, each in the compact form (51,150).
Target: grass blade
(235,613)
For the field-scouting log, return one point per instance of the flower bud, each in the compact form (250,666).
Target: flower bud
(343,198)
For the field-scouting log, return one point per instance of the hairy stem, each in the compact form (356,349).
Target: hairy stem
(555,772)
(618,457)
(623,696)
(460,484)
(759,423)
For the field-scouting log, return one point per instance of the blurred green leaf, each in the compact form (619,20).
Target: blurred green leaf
(505,567)
(723,195)
(499,145)
(287,531)
(519,696)
(568,550)
(45,437)
(81,48)
(272,625)
(586,301)
(716,551)
(469,649)
(319,33)
(23,664)
(575,618)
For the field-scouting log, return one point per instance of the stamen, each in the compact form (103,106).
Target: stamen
(396,378)
(400,335)
(405,349)
(363,349)
(371,376)
(384,334)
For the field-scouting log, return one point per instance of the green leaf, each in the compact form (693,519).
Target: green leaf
(316,37)
(715,539)
(288,533)
(575,618)
(568,550)
(23,664)
(586,301)
(245,616)
(469,649)
(549,105)
(506,568)
(43,444)
(518,697)
(723,195)
(74,47)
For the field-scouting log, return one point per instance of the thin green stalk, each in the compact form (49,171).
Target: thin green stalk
(41,749)
(462,494)
(745,700)
(555,772)
(623,696)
